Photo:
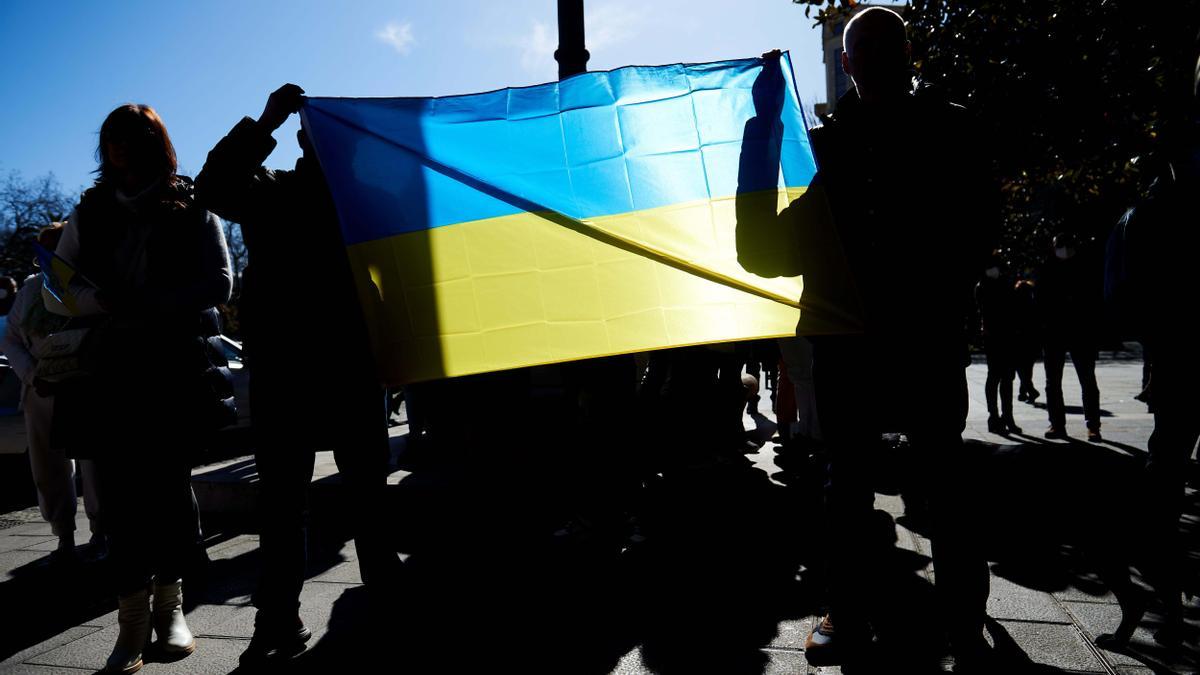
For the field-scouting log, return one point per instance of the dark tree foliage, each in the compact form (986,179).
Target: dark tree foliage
(26,206)
(1077,101)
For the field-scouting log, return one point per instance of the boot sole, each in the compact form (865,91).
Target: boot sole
(167,649)
(126,670)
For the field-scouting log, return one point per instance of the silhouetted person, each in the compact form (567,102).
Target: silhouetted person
(159,266)
(1069,294)
(1028,339)
(1149,279)
(24,342)
(301,401)
(996,297)
(909,192)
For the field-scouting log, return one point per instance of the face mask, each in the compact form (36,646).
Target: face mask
(993,272)
(3,293)
(1062,253)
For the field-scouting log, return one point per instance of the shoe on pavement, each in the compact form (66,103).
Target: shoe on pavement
(133,618)
(1011,425)
(996,426)
(851,649)
(276,641)
(1094,436)
(819,649)
(174,637)
(96,550)
(1056,433)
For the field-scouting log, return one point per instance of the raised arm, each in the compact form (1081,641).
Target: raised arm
(233,183)
(765,236)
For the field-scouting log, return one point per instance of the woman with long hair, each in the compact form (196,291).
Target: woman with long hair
(151,265)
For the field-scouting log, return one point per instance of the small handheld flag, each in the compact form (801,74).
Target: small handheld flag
(57,275)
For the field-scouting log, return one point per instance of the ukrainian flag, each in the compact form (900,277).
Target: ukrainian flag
(581,218)
(57,275)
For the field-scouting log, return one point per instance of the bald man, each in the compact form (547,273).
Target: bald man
(915,214)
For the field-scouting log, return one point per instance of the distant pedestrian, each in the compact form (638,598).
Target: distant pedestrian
(1028,339)
(996,297)
(1069,295)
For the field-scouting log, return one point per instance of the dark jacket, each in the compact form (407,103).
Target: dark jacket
(298,291)
(913,205)
(176,275)
(160,260)
(999,308)
(1069,296)
(1148,277)
(914,215)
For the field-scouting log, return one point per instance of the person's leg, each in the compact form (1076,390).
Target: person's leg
(174,518)
(1176,431)
(122,481)
(991,385)
(1083,357)
(175,529)
(784,406)
(1055,359)
(1027,353)
(1024,372)
(284,472)
(962,576)
(735,398)
(1007,367)
(284,457)
(362,458)
(843,395)
(53,472)
(92,503)
(285,466)
(798,355)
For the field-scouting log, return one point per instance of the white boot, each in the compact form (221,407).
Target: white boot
(133,617)
(172,631)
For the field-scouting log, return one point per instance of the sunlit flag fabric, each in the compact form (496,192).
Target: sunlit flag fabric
(581,218)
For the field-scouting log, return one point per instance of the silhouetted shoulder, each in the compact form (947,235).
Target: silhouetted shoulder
(934,101)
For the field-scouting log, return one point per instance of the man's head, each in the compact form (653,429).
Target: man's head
(876,53)
(1064,246)
(995,264)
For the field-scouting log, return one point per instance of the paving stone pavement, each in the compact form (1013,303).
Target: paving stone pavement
(1048,626)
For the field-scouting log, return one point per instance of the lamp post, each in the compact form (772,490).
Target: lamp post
(571,55)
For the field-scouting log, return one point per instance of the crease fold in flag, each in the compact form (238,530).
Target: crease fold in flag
(582,218)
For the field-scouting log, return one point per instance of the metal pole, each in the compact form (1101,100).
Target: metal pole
(571,54)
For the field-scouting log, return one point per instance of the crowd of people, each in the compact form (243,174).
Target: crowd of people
(122,383)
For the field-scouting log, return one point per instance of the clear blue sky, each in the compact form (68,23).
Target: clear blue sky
(64,65)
